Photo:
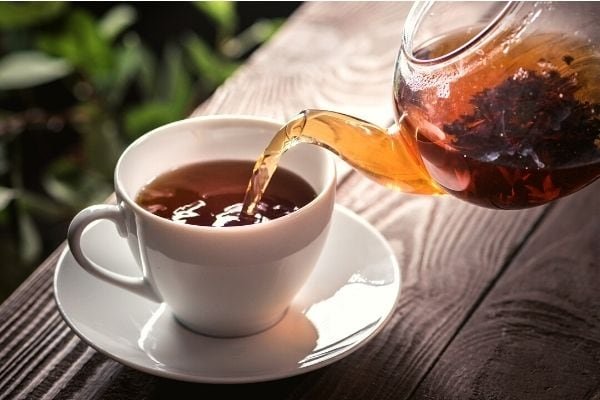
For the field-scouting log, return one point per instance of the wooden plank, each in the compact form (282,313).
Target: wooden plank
(338,56)
(537,334)
(332,56)
(299,68)
(449,252)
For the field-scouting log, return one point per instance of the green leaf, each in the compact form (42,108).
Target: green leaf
(130,62)
(101,143)
(44,207)
(81,43)
(26,69)
(148,75)
(258,33)
(222,13)
(212,68)
(117,20)
(6,196)
(73,186)
(30,243)
(25,14)
(178,82)
(145,117)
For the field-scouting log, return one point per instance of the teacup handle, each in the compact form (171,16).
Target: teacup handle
(137,285)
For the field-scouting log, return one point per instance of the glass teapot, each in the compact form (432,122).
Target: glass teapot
(496,103)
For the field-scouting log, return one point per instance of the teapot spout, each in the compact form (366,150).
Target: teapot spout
(388,156)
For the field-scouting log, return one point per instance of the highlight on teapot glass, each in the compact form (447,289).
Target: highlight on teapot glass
(496,103)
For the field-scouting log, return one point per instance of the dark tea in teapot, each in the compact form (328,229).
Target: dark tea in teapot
(496,103)
(514,124)
(520,132)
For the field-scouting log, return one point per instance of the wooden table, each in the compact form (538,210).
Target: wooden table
(494,305)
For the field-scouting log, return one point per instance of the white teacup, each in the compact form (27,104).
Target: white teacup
(229,281)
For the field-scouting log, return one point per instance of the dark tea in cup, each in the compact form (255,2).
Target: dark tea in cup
(212,194)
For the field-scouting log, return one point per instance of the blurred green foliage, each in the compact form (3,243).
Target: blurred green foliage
(117,89)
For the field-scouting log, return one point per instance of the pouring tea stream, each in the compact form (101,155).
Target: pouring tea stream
(499,107)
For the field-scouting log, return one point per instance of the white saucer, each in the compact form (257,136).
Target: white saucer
(347,300)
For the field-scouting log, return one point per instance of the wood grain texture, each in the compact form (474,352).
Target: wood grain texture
(537,334)
(441,285)
(328,55)
(337,56)
(319,59)
(449,253)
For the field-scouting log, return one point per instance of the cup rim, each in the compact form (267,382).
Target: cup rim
(122,195)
